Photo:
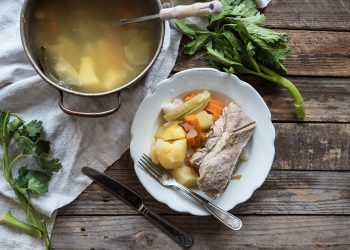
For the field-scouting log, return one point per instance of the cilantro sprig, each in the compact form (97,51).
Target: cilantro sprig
(235,42)
(30,158)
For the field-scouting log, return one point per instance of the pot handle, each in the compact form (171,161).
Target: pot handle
(88,114)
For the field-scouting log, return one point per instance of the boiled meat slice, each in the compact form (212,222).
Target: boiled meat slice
(225,141)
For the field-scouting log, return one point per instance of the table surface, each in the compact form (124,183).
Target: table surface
(305,201)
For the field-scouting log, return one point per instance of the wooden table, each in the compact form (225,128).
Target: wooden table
(305,201)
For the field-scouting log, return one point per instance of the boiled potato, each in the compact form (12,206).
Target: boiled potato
(205,120)
(173,132)
(87,75)
(153,152)
(185,176)
(172,154)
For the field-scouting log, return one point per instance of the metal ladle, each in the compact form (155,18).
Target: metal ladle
(180,12)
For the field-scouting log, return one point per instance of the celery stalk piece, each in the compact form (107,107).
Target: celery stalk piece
(198,100)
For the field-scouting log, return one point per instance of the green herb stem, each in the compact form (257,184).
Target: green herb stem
(13,222)
(288,85)
(46,235)
(28,209)
(5,161)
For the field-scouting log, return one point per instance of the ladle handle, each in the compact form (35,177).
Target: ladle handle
(87,114)
(197,9)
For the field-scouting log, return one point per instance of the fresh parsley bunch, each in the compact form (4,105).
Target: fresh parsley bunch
(236,42)
(21,140)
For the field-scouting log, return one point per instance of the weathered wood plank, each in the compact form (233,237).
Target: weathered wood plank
(312,146)
(263,232)
(284,192)
(314,53)
(326,99)
(311,14)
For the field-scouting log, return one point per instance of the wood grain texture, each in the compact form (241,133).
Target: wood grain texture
(311,14)
(314,53)
(284,192)
(312,146)
(263,232)
(325,99)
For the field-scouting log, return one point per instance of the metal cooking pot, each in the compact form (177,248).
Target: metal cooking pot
(33,54)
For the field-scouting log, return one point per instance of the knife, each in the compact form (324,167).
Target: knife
(134,200)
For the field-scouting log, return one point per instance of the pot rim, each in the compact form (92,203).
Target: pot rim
(24,39)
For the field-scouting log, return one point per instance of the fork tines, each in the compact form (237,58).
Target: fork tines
(146,163)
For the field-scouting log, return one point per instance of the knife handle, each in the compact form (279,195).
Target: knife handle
(174,232)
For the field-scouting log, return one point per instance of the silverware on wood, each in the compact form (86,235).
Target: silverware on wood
(180,12)
(134,200)
(166,179)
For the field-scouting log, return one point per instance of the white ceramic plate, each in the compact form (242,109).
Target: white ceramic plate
(225,87)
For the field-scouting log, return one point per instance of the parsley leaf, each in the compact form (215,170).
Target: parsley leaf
(33,181)
(33,129)
(25,144)
(49,165)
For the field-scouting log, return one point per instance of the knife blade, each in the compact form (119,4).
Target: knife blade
(133,199)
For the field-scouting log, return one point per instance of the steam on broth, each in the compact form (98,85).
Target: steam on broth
(86,50)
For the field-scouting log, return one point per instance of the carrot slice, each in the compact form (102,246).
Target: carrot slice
(215,107)
(216,117)
(217,103)
(52,27)
(191,138)
(189,96)
(203,135)
(194,122)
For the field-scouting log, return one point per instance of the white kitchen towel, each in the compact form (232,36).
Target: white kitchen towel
(76,141)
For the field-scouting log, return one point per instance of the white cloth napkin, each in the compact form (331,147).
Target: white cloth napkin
(76,141)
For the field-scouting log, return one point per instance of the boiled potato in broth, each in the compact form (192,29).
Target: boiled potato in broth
(86,50)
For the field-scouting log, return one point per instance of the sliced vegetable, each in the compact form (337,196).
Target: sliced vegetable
(188,106)
(215,108)
(198,108)
(52,27)
(191,138)
(194,122)
(87,75)
(189,96)
(203,136)
(218,103)
(205,120)
(187,127)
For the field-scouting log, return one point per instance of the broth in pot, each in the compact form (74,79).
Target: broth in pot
(85,48)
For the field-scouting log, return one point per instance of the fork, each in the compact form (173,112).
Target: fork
(166,179)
